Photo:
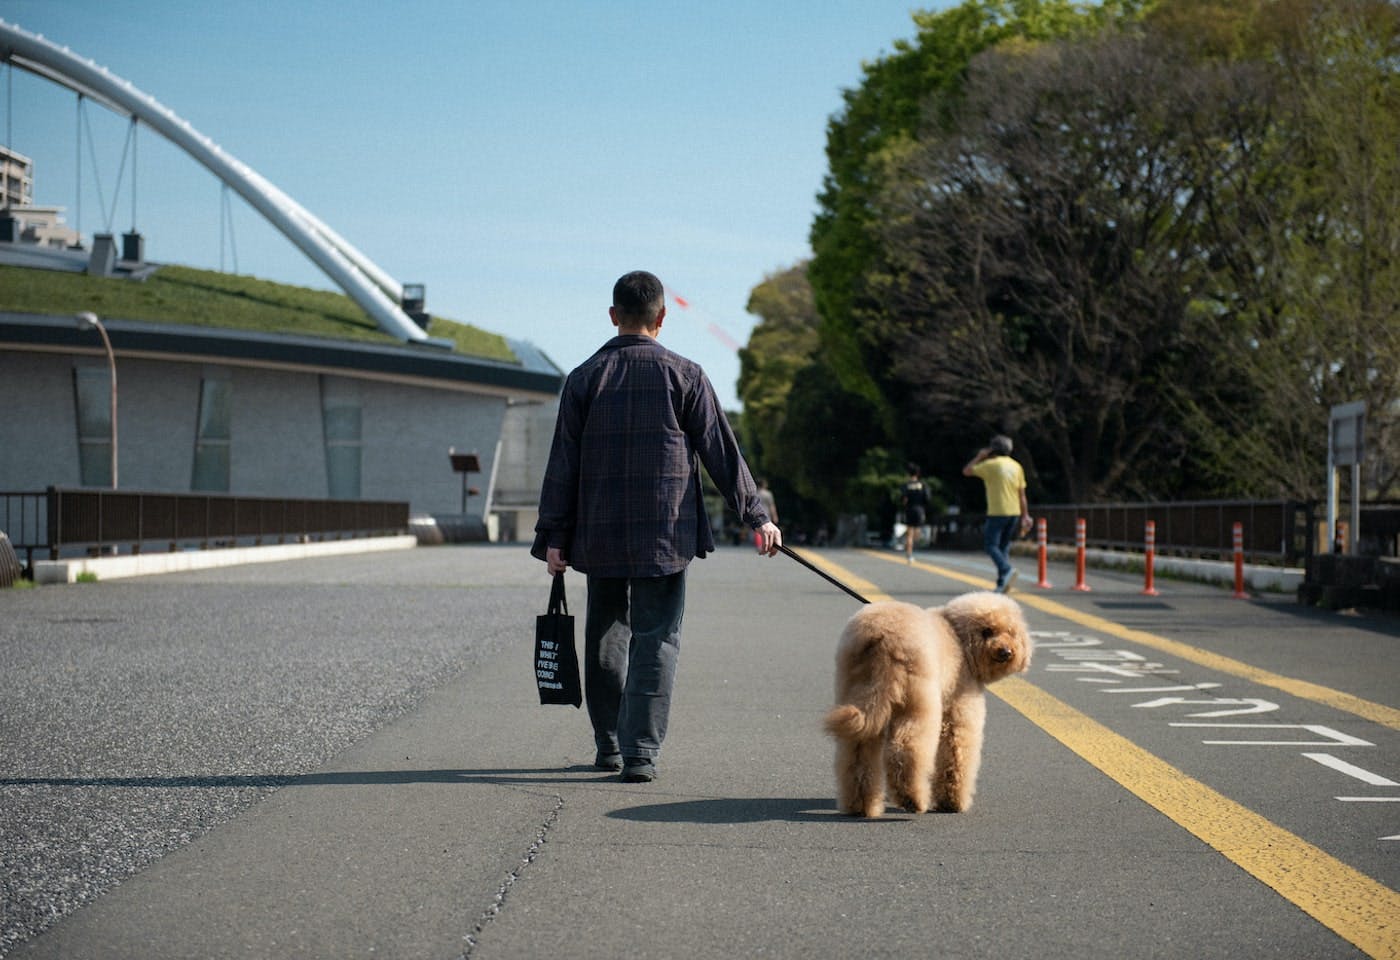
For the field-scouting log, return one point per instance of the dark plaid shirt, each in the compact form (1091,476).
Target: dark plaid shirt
(621,494)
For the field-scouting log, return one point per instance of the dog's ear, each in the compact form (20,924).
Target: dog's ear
(970,625)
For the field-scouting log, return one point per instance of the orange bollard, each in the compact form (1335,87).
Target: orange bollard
(1042,537)
(1080,535)
(1239,593)
(1150,535)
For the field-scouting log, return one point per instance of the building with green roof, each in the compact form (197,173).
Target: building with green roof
(231,384)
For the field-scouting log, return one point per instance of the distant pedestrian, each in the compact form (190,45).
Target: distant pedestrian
(770,503)
(622,503)
(1005,483)
(913,501)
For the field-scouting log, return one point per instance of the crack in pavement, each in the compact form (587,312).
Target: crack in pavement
(499,902)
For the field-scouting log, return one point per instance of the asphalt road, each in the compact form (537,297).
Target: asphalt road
(344,757)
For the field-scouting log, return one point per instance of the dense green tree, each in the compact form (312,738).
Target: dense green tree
(1309,289)
(1155,249)
(1041,257)
(832,431)
(799,432)
(918,84)
(782,343)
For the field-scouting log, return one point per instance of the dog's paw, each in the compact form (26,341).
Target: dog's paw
(913,804)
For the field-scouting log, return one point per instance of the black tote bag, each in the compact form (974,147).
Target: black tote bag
(556,660)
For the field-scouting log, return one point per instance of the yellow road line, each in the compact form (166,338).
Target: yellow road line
(1346,901)
(1357,908)
(863,587)
(1336,699)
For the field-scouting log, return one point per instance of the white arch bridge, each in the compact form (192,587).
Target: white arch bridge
(378,294)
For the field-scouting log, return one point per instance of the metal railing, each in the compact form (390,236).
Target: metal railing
(1278,531)
(59,521)
(24,518)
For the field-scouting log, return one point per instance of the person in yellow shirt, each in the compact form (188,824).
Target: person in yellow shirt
(1006,504)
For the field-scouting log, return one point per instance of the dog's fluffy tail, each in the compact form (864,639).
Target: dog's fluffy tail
(849,722)
(882,649)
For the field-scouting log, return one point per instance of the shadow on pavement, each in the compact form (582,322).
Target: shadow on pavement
(349,778)
(742,810)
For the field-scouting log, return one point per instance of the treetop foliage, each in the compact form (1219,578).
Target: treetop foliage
(1152,242)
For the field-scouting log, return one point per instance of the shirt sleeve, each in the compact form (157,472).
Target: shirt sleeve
(559,492)
(714,441)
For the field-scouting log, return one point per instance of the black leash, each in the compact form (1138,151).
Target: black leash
(821,573)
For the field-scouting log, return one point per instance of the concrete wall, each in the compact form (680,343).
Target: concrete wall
(407,431)
(527,433)
(277,445)
(38,433)
(276,442)
(157,407)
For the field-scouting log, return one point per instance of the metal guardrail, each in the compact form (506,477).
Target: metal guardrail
(60,520)
(1279,531)
(24,518)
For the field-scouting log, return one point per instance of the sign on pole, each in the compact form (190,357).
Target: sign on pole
(1346,431)
(1346,439)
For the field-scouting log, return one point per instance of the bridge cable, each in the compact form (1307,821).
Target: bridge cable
(78,177)
(133,174)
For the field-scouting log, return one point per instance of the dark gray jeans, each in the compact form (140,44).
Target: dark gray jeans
(997,533)
(631,643)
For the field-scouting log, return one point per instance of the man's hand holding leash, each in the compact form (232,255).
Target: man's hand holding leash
(767,539)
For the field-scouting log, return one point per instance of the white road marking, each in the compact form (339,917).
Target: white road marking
(1335,737)
(1351,770)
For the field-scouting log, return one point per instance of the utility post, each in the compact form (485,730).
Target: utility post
(1346,428)
(88,321)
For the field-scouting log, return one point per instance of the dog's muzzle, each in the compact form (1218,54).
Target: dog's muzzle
(1001,654)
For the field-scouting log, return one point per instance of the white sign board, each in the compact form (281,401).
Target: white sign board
(1346,429)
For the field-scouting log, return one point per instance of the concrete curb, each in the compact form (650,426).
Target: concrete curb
(146,564)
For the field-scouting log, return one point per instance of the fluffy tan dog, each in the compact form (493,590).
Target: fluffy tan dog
(910,703)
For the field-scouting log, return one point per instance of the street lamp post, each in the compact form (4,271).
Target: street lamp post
(88,321)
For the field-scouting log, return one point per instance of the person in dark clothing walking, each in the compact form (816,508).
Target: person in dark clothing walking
(913,500)
(622,503)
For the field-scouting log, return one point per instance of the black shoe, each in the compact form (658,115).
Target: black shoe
(608,761)
(638,770)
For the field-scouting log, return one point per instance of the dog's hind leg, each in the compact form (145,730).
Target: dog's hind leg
(909,756)
(860,778)
(847,778)
(910,773)
(959,754)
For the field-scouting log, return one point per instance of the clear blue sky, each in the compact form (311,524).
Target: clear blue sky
(514,156)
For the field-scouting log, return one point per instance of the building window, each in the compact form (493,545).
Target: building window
(340,418)
(211,443)
(93,393)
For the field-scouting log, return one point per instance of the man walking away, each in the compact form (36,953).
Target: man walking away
(1005,483)
(622,503)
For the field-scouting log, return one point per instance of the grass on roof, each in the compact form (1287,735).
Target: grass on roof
(207,298)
